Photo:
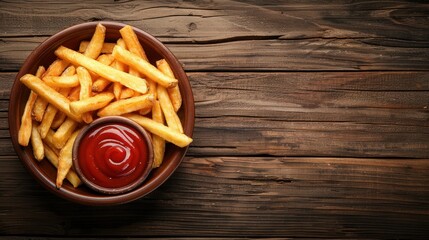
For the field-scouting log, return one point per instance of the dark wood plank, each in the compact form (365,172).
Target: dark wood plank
(263,55)
(208,21)
(240,196)
(372,114)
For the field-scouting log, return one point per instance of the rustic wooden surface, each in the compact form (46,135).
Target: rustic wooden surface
(312,120)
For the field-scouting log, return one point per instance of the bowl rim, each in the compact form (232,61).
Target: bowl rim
(177,155)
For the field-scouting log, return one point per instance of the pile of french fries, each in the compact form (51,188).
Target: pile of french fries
(100,79)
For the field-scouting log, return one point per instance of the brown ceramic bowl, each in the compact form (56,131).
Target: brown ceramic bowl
(110,152)
(43,171)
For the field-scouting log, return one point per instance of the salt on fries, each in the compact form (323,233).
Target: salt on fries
(100,79)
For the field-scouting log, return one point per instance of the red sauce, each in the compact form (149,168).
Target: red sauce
(113,155)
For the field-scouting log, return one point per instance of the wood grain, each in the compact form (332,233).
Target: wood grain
(263,55)
(241,196)
(312,121)
(350,114)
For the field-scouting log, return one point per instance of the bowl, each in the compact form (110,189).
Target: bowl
(118,165)
(43,171)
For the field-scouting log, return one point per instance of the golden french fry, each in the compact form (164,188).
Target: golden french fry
(65,159)
(58,120)
(56,68)
(107,47)
(117,87)
(170,135)
(126,93)
(102,70)
(37,144)
(132,42)
(64,132)
(90,104)
(123,106)
(96,44)
(85,90)
(71,176)
(39,108)
(47,120)
(171,117)
(74,94)
(24,131)
(53,97)
(157,141)
(49,140)
(143,67)
(174,92)
(61,81)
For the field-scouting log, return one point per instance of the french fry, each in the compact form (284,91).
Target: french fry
(173,121)
(132,42)
(170,135)
(53,97)
(126,93)
(102,70)
(174,92)
(157,142)
(64,132)
(90,104)
(56,68)
(24,131)
(58,120)
(107,47)
(65,159)
(123,106)
(37,144)
(74,94)
(94,47)
(47,120)
(85,90)
(49,140)
(71,176)
(61,81)
(143,67)
(117,87)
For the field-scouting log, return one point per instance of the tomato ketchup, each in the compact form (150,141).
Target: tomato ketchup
(113,155)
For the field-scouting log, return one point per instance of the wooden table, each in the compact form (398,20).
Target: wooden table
(312,120)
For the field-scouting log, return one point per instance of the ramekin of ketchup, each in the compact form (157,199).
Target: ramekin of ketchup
(113,155)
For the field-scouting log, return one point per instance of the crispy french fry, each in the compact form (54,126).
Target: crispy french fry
(24,131)
(85,90)
(49,140)
(132,42)
(127,93)
(74,94)
(170,135)
(90,104)
(173,121)
(157,141)
(94,47)
(71,176)
(107,47)
(61,81)
(37,144)
(47,120)
(56,68)
(117,87)
(65,159)
(58,120)
(123,106)
(53,97)
(64,132)
(174,92)
(143,67)
(104,71)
